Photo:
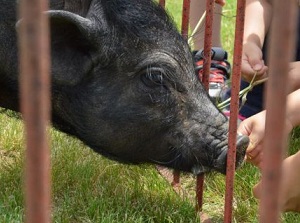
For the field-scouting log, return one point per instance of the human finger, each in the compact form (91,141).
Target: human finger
(257,190)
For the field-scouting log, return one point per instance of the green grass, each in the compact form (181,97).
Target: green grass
(85,186)
(89,188)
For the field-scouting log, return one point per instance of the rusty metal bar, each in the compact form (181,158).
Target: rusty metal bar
(162,3)
(35,106)
(205,81)
(207,42)
(176,179)
(234,106)
(184,33)
(199,192)
(280,52)
(185,18)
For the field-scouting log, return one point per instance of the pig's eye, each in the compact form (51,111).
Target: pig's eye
(153,77)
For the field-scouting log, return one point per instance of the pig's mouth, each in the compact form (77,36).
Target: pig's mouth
(220,163)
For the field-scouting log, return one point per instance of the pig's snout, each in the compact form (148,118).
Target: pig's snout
(220,163)
(241,146)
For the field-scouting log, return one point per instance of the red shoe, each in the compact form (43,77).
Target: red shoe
(219,71)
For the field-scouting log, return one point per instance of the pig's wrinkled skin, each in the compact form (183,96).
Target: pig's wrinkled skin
(123,82)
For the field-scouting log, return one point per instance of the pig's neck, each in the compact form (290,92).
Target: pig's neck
(9,98)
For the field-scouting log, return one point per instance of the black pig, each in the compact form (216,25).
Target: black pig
(123,82)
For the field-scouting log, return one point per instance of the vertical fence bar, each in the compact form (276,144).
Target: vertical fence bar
(35,106)
(185,18)
(162,3)
(282,45)
(205,81)
(207,42)
(184,33)
(199,192)
(234,106)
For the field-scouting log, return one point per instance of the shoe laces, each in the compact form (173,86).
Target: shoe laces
(216,75)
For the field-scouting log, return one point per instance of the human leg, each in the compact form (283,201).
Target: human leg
(290,189)
(198,7)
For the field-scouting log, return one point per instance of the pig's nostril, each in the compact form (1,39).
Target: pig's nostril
(241,144)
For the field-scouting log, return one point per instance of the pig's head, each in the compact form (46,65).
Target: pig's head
(124,83)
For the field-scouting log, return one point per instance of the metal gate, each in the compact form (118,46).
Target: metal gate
(35,104)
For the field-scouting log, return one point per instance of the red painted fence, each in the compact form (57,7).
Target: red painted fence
(35,103)
(234,107)
(35,106)
(281,46)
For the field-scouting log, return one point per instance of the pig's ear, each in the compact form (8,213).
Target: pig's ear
(64,21)
(72,43)
(73,39)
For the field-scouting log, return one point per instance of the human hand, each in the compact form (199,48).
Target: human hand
(252,62)
(254,127)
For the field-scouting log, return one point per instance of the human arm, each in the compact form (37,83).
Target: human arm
(258,17)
